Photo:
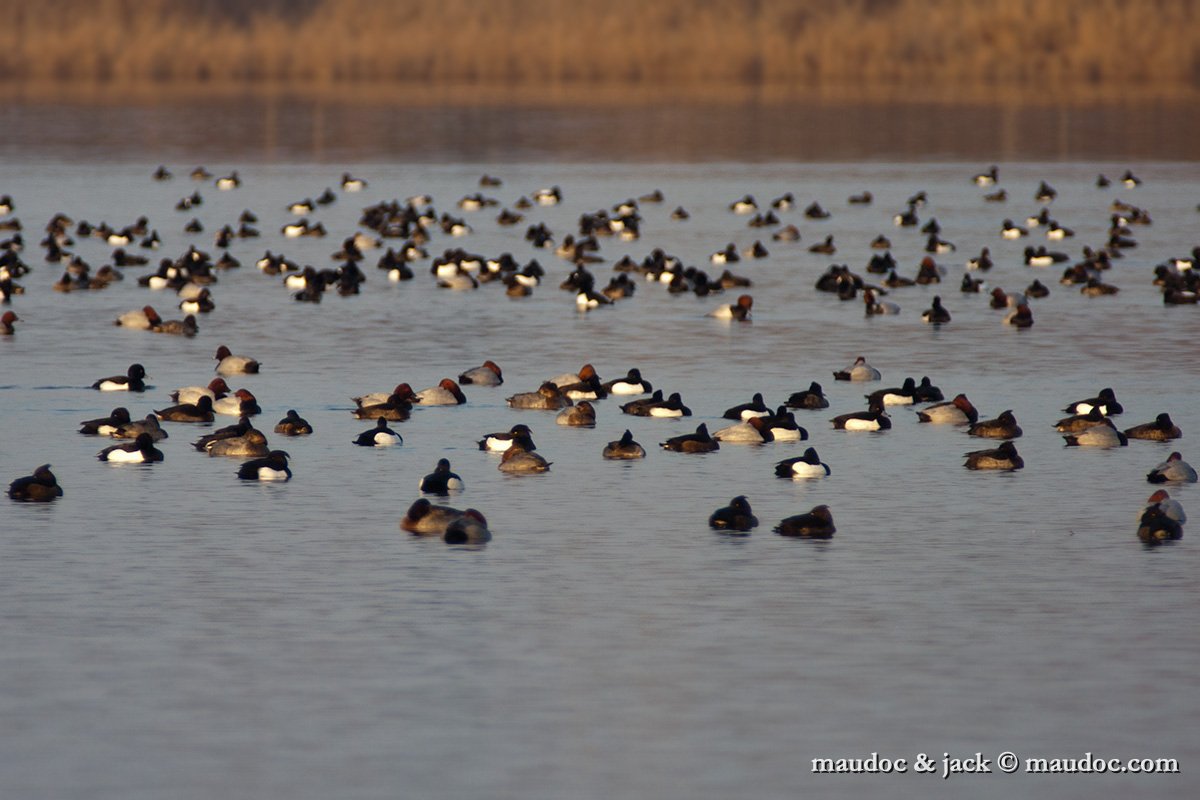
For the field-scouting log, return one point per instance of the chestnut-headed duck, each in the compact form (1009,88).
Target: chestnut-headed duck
(860,370)
(568,378)
(874,307)
(755,430)
(425,519)
(518,460)
(808,465)
(274,467)
(1169,506)
(581,415)
(379,436)
(404,391)
(142,319)
(1003,457)
(736,516)
(624,448)
(632,383)
(1173,470)
(140,451)
(446,393)
(1105,400)
(958,411)
(1162,429)
(217,388)
(241,403)
(293,425)
(1104,434)
(470,528)
(6,323)
(486,374)
(548,397)
(816,524)
(739,311)
(1020,317)
(519,435)
(40,487)
(1002,427)
(200,411)
(873,419)
(230,364)
(698,442)
(132,381)
(811,398)
(105,426)
(757,407)
(441,481)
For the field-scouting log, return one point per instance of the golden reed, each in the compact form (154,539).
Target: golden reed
(974,48)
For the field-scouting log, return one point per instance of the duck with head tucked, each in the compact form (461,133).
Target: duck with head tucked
(736,517)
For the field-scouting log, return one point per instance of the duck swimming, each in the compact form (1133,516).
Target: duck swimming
(811,398)
(1162,429)
(860,370)
(736,516)
(274,467)
(379,436)
(698,442)
(1002,427)
(808,465)
(1173,470)
(470,528)
(958,411)
(441,481)
(624,449)
(816,524)
(1003,457)
(40,487)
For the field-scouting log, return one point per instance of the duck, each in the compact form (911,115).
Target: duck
(142,319)
(519,435)
(981,262)
(811,398)
(132,381)
(755,430)
(230,364)
(1003,457)
(1080,422)
(589,389)
(518,460)
(140,451)
(1155,526)
(808,465)
(739,311)
(624,449)
(824,247)
(135,428)
(216,389)
(178,327)
(1170,507)
(105,426)
(1105,400)
(1162,429)
(904,395)
(1002,427)
(860,370)
(737,516)
(874,307)
(40,487)
(937,313)
(1105,434)
(446,393)
(987,178)
(927,393)
(548,397)
(816,524)
(200,411)
(1020,317)
(958,411)
(6,323)
(783,427)
(1173,470)
(698,442)
(251,444)
(1037,289)
(1045,193)
(274,467)
(352,184)
(403,392)
(1010,230)
(631,384)
(237,430)
(396,408)
(470,528)
(441,481)
(747,205)
(486,374)
(423,518)
(757,407)
(664,409)
(379,436)
(875,418)
(241,403)
(293,425)
(230,181)
(568,378)
(581,415)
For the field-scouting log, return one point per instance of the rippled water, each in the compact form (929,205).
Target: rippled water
(172,632)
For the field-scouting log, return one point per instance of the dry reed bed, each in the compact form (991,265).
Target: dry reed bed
(906,43)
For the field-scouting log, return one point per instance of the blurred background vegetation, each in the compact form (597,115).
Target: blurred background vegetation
(972,48)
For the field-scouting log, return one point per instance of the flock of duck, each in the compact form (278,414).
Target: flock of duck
(573,397)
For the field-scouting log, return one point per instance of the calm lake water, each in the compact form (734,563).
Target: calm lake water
(171,631)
